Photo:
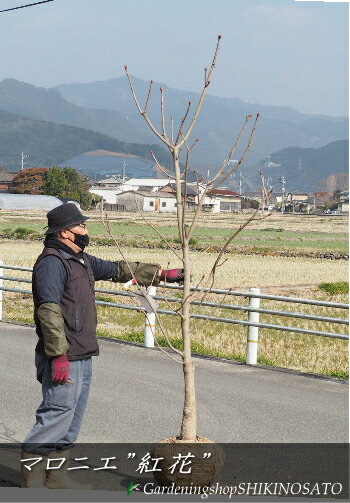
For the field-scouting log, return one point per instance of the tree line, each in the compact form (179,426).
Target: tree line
(54,181)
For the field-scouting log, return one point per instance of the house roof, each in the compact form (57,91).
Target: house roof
(6,176)
(223,192)
(150,182)
(155,194)
(191,189)
(148,194)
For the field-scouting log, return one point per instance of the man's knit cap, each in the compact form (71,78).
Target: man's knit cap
(63,216)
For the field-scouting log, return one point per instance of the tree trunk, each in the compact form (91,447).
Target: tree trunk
(189,415)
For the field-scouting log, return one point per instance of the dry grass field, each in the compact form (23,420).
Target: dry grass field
(289,276)
(290,222)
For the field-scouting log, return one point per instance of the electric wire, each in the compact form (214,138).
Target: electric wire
(28,5)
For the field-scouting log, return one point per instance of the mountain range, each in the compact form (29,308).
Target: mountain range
(50,143)
(57,124)
(303,168)
(108,107)
(219,121)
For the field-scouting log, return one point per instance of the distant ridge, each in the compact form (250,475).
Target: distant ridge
(107,107)
(110,154)
(48,143)
(218,123)
(303,168)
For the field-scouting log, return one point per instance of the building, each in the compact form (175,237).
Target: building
(118,195)
(343,205)
(110,187)
(298,202)
(297,196)
(219,200)
(134,200)
(6,180)
(28,202)
(215,201)
(191,193)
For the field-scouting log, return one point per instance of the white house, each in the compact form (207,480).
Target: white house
(132,200)
(219,200)
(216,200)
(110,187)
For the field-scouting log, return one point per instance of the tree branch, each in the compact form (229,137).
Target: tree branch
(148,96)
(107,227)
(226,161)
(209,185)
(212,272)
(143,113)
(172,129)
(206,85)
(198,209)
(183,122)
(162,111)
(220,182)
(155,229)
(163,170)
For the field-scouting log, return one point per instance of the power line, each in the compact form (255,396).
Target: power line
(28,5)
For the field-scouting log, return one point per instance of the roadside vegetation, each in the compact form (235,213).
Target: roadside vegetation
(340,287)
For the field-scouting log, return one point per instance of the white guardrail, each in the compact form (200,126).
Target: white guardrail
(253,309)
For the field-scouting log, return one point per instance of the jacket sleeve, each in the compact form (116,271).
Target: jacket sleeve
(52,326)
(49,279)
(119,272)
(146,274)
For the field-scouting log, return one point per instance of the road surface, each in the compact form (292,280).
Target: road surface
(137,396)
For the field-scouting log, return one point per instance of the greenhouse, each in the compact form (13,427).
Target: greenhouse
(28,202)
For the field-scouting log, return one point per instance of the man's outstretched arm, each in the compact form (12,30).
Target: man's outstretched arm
(146,274)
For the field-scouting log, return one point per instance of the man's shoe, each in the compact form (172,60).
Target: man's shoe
(36,476)
(60,479)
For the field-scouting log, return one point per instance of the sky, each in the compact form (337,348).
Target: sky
(273,52)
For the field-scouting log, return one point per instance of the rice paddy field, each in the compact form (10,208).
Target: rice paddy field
(276,255)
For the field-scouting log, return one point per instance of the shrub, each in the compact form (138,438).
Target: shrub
(192,241)
(335,288)
(22,232)
(7,232)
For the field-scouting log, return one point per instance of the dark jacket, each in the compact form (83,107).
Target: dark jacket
(65,280)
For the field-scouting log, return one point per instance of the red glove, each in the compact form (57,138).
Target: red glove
(172,275)
(60,368)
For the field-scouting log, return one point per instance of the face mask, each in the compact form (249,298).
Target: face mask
(80,240)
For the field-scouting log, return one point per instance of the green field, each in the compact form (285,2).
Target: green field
(267,237)
(296,275)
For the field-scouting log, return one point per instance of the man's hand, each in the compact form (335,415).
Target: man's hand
(60,368)
(172,275)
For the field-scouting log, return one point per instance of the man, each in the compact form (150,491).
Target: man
(65,318)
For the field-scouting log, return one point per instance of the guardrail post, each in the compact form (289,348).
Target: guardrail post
(1,283)
(253,332)
(150,322)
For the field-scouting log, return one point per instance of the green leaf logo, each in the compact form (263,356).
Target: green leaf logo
(132,487)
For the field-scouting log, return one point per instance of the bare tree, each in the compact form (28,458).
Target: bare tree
(186,223)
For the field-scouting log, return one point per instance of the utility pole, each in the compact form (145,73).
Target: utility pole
(283,182)
(22,163)
(264,193)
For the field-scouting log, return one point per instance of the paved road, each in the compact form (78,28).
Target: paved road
(136,396)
